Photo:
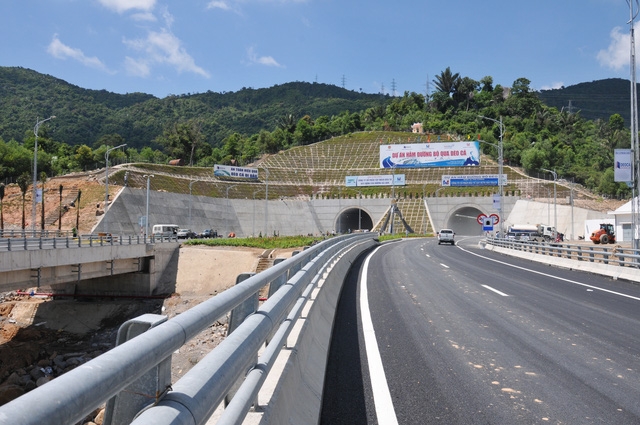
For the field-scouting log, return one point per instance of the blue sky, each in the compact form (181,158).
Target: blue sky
(166,47)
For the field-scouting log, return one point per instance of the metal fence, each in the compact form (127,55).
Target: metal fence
(604,254)
(139,369)
(19,242)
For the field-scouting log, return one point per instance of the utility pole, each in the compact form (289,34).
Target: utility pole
(634,126)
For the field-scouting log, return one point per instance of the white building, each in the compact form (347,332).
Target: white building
(623,221)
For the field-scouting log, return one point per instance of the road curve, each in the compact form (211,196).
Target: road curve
(468,336)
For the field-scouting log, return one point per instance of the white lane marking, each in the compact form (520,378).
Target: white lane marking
(444,265)
(495,290)
(575,282)
(381,396)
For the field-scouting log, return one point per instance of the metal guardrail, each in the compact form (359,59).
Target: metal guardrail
(195,396)
(21,243)
(614,255)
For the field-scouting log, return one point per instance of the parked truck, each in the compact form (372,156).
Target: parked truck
(549,233)
(533,232)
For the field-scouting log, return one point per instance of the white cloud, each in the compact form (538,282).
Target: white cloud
(261,60)
(121,6)
(555,85)
(144,17)
(617,54)
(137,67)
(59,50)
(219,4)
(163,47)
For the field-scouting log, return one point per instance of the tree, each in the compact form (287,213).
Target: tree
(181,139)
(23,183)
(446,81)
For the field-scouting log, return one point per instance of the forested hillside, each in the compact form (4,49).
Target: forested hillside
(223,128)
(594,100)
(84,116)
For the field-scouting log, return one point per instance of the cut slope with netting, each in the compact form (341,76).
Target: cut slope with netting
(319,171)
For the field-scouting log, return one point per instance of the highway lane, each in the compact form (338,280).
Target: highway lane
(471,336)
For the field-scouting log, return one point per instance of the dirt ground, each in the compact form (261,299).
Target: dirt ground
(36,329)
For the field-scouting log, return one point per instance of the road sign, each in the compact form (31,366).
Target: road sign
(487,224)
(495,218)
(481,218)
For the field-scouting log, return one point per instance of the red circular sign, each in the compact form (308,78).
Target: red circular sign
(481,218)
(496,218)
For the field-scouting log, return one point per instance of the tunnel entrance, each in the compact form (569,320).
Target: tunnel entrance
(464,221)
(353,219)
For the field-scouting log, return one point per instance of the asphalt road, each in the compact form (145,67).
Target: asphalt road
(468,336)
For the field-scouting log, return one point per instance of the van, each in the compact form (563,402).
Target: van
(165,230)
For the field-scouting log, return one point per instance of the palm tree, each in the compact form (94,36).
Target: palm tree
(446,81)
(23,183)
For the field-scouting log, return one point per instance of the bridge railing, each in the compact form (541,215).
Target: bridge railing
(18,242)
(144,361)
(609,255)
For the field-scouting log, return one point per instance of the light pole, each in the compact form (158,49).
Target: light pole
(146,218)
(635,148)
(35,173)
(266,202)
(253,229)
(190,185)
(555,204)
(106,185)
(228,215)
(500,167)
(393,197)
(359,210)
(60,211)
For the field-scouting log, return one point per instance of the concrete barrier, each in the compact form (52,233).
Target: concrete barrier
(297,398)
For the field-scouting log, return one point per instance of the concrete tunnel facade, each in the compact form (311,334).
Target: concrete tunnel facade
(352,219)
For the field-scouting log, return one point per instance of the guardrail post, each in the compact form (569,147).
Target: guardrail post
(605,255)
(579,254)
(123,407)
(238,315)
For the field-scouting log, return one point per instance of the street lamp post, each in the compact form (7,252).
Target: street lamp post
(146,217)
(555,203)
(190,185)
(266,202)
(60,211)
(106,185)
(500,169)
(359,210)
(229,215)
(393,197)
(35,173)
(253,229)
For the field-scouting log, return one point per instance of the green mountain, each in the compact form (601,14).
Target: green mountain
(83,116)
(595,100)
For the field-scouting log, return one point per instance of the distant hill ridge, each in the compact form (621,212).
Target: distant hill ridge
(595,100)
(84,115)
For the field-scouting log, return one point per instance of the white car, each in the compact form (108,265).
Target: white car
(446,236)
